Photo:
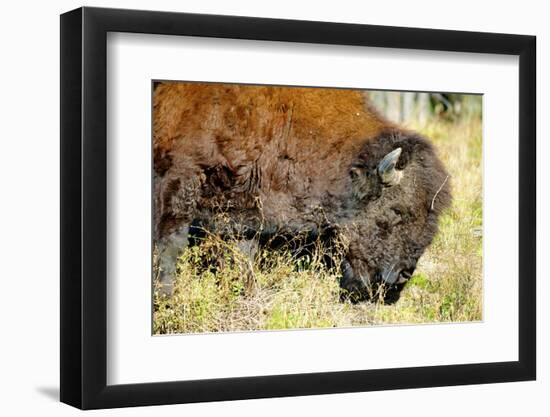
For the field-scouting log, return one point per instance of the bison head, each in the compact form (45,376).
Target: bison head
(399,188)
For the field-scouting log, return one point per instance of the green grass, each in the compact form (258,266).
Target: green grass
(277,291)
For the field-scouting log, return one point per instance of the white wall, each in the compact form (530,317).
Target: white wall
(29,148)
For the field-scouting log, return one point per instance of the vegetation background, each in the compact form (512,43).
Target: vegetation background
(277,291)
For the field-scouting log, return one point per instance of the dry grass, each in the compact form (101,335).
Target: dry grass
(277,291)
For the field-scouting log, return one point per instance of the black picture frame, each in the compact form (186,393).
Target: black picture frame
(84,207)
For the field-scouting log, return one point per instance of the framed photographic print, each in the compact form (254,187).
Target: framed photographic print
(257,208)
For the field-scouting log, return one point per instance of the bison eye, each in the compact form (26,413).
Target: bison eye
(356,172)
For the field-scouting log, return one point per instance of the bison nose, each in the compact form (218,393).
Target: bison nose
(397,273)
(404,276)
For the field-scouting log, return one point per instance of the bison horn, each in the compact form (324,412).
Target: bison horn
(386,168)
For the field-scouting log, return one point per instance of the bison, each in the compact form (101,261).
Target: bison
(293,161)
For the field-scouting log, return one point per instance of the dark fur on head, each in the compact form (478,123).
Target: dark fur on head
(399,221)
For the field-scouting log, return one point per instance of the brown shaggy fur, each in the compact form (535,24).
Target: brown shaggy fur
(292,160)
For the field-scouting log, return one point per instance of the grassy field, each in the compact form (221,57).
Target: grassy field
(279,292)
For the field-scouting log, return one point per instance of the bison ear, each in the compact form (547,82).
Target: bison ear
(386,168)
